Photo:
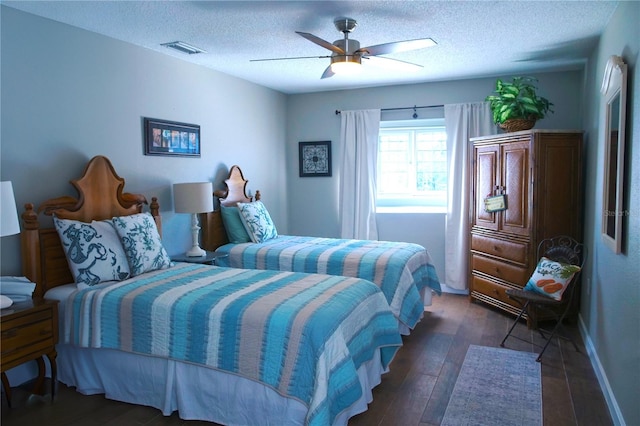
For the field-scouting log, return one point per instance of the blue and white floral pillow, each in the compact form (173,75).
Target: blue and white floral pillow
(141,242)
(257,221)
(93,250)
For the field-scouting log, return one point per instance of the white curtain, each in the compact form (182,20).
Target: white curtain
(462,121)
(359,141)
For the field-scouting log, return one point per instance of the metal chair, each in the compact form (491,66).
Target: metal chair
(561,249)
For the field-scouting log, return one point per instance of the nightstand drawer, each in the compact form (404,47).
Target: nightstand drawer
(30,334)
(25,321)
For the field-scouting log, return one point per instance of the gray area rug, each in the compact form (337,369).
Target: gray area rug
(496,387)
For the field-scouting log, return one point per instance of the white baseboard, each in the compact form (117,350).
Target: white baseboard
(614,409)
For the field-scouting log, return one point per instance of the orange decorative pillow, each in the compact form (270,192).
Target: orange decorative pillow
(551,278)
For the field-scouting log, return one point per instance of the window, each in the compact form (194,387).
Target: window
(412,164)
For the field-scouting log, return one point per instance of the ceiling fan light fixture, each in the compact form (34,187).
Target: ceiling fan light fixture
(183,47)
(346,53)
(346,64)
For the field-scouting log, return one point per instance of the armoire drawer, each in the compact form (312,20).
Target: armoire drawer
(491,289)
(505,271)
(511,250)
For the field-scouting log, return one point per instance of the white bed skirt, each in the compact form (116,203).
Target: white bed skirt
(196,392)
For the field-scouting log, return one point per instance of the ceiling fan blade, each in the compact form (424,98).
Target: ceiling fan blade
(397,46)
(328,72)
(394,64)
(321,42)
(284,59)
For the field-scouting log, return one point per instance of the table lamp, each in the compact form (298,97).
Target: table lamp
(193,198)
(9,225)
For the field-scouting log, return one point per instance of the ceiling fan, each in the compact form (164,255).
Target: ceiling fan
(347,54)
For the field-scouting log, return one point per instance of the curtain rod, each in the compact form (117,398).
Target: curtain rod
(398,109)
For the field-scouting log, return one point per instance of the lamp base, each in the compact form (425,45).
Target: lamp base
(196,252)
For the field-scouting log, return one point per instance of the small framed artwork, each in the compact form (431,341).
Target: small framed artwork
(315,158)
(163,137)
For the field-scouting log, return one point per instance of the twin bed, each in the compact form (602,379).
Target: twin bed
(223,344)
(403,271)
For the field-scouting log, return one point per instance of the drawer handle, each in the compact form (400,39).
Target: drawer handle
(496,248)
(495,291)
(10,333)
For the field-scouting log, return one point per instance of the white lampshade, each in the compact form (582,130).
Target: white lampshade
(9,224)
(194,197)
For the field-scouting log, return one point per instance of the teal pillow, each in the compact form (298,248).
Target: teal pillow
(551,278)
(141,242)
(233,225)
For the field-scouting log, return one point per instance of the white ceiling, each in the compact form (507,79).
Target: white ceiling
(475,38)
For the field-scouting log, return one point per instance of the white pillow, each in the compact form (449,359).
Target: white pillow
(257,221)
(141,242)
(93,250)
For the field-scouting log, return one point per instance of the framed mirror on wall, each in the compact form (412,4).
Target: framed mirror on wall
(614,95)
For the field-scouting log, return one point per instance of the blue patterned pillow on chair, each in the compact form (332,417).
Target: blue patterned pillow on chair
(141,242)
(93,250)
(257,221)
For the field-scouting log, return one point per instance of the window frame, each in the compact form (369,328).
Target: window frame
(411,202)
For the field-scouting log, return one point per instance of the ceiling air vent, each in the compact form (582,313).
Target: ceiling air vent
(183,47)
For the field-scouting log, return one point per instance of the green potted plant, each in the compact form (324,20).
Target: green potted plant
(516,106)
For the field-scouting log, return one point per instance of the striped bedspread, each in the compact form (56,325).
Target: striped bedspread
(401,270)
(305,335)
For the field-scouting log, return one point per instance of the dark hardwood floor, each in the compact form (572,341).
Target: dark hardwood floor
(415,392)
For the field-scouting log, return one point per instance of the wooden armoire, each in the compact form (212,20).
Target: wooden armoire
(539,172)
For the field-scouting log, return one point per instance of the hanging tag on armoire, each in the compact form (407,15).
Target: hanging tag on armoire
(495,203)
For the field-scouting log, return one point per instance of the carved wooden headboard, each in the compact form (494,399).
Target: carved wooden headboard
(101,197)
(213,233)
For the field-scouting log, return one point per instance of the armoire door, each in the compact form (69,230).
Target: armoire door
(485,184)
(515,183)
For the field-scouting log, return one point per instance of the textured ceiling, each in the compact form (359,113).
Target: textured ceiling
(475,38)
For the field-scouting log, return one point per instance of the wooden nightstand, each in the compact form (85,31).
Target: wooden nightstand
(29,331)
(210,258)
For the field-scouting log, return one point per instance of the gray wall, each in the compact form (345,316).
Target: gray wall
(69,94)
(311,117)
(610,308)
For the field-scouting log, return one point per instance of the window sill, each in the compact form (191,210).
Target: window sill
(411,209)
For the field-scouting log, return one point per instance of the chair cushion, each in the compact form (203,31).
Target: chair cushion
(551,278)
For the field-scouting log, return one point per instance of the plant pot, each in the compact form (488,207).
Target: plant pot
(517,124)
